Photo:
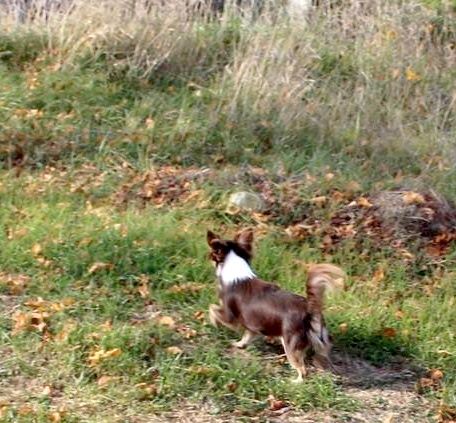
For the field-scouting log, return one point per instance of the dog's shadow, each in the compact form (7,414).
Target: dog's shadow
(363,360)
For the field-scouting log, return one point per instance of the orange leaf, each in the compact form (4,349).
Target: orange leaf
(16,283)
(167,321)
(399,314)
(411,197)
(36,250)
(343,327)
(275,404)
(97,266)
(55,417)
(411,75)
(25,410)
(187,332)
(389,332)
(353,186)
(378,276)
(3,410)
(363,202)
(199,315)
(299,231)
(446,414)
(319,201)
(27,321)
(99,355)
(174,350)
(435,374)
(106,380)
(186,287)
(143,290)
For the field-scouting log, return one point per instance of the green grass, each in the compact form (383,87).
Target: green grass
(168,245)
(87,111)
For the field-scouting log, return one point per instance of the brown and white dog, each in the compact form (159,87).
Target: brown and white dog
(262,308)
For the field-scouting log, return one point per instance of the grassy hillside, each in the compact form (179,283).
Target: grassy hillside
(123,132)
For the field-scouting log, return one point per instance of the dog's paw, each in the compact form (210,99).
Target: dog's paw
(239,344)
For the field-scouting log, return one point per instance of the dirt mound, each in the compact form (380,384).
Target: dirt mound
(399,218)
(161,186)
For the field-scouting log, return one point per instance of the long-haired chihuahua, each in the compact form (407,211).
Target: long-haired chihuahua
(262,308)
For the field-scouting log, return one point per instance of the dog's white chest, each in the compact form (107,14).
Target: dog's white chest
(234,269)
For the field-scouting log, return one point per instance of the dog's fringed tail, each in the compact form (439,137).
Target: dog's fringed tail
(322,277)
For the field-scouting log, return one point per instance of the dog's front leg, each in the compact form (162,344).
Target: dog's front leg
(215,312)
(246,339)
(217,316)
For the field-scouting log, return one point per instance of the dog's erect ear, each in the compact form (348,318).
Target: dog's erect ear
(245,239)
(211,237)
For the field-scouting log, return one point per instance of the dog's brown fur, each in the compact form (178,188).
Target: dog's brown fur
(262,308)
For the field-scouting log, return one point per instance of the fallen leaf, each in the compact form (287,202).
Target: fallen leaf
(446,414)
(411,75)
(17,233)
(275,404)
(435,374)
(389,332)
(232,386)
(36,250)
(55,417)
(411,197)
(201,370)
(106,326)
(174,350)
(25,410)
(150,123)
(24,321)
(390,418)
(396,73)
(63,335)
(186,287)
(364,202)
(343,328)
(39,304)
(143,290)
(399,314)
(187,332)
(106,380)
(99,355)
(16,283)
(327,242)
(167,321)
(199,315)
(3,411)
(46,391)
(329,176)
(353,186)
(406,254)
(44,262)
(319,201)
(426,384)
(147,390)
(299,231)
(378,275)
(98,266)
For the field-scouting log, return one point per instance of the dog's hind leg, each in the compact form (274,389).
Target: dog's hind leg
(294,349)
(321,343)
(246,339)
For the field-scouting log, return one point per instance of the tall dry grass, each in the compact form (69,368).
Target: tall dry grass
(371,76)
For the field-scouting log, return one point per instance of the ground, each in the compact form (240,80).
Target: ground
(123,136)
